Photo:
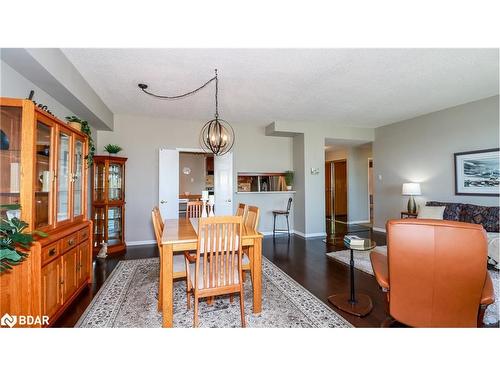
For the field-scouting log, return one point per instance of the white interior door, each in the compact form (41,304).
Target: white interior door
(168,188)
(223,184)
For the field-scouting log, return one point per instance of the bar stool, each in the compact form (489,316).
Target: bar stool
(285,213)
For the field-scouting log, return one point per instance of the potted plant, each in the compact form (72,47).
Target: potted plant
(84,127)
(112,149)
(74,122)
(14,241)
(289,179)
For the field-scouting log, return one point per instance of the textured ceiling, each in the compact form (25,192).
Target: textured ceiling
(350,87)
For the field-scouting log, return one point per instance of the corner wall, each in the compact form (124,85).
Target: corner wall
(421,150)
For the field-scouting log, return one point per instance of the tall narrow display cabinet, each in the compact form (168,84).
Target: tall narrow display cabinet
(43,168)
(108,202)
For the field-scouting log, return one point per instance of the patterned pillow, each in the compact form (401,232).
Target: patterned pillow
(486,216)
(451,212)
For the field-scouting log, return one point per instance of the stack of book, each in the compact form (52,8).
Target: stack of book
(352,240)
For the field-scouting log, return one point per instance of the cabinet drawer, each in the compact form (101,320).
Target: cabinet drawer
(83,234)
(50,252)
(68,242)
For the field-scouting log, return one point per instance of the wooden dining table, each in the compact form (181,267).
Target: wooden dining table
(179,235)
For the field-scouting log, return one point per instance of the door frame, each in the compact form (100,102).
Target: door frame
(368,188)
(196,150)
(347,186)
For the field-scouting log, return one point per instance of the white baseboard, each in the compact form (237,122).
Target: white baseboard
(377,229)
(139,243)
(359,222)
(310,235)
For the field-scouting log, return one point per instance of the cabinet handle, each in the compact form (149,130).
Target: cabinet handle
(61,282)
(52,252)
(71,241)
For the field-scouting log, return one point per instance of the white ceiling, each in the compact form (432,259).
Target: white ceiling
(350,87)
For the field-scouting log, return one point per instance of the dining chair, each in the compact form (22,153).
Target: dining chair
(285,213)
(179,265)
(250,220)
(193,209)
(240,211)
(217,267)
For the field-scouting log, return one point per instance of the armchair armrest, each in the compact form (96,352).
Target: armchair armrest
(380,269)
(488,295)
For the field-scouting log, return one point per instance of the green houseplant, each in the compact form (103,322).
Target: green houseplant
(14,241)
(112,149)
(289,179)
(84,127)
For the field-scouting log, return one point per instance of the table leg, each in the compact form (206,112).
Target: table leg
(256,249)
(352,299)
(160,288)
(168,285)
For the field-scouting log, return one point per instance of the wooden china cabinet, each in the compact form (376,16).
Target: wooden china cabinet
(43,168)
(108,202)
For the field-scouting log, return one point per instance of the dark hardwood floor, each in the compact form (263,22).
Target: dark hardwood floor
(304,260)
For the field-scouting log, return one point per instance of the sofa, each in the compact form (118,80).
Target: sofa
(488,217)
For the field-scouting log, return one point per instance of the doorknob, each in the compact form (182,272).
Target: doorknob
(162,201)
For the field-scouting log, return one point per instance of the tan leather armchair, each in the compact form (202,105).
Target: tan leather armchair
(435,273)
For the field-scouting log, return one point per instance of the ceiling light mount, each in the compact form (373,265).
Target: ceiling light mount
(217,135)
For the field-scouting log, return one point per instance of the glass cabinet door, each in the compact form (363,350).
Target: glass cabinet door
(63,175)
(115,182)
(10,157)
(78,178)
(99,179)
(43,175)
(114,219)
(99,226)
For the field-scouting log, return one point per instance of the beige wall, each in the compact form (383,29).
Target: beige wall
(141,137)
(194,182)
(421,150)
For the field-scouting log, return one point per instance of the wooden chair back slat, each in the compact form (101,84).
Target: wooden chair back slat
(252,217)
(193,209)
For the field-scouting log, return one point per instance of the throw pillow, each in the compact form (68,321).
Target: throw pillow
(429,212)
(452,211)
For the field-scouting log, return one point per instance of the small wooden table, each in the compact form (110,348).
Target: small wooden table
(179,236)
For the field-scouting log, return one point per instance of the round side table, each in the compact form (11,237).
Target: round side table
(357,304)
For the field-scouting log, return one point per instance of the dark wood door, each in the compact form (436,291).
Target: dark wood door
(340,177)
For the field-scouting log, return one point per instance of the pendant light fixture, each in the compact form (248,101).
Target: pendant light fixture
(217,135)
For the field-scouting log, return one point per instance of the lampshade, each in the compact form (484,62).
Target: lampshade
(411,188)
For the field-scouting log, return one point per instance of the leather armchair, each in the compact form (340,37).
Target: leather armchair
(435,273)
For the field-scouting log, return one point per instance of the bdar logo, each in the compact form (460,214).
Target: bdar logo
(8,320)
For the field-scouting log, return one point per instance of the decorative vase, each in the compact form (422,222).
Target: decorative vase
(210,210)
(288,188)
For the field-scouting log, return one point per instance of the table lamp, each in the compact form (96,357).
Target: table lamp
(411,189)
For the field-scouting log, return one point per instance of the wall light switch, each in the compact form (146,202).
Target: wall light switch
(379,177)
(314,170)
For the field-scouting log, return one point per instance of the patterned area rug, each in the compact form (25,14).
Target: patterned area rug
(128,298)
(362,263)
